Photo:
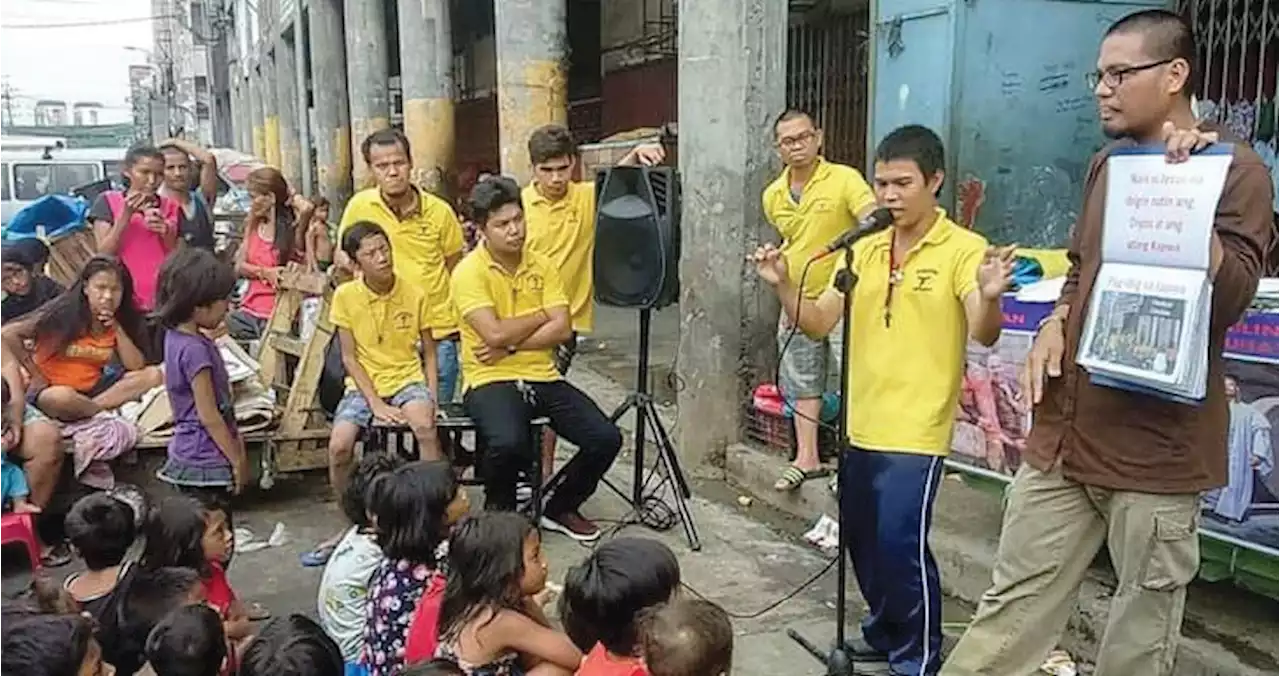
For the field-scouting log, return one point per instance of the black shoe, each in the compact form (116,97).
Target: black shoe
(862,653)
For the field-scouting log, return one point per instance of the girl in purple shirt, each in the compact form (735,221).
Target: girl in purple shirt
(206,451)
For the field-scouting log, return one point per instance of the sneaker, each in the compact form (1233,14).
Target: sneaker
(862,653)
(572,524)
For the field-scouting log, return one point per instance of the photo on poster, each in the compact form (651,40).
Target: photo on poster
(1246,508)
(993,416)
(1138,331)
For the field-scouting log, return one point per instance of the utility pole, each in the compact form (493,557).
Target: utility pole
(6,103)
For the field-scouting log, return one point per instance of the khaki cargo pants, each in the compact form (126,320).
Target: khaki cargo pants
(1052,530)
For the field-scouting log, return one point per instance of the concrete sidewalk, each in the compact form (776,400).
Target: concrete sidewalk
(1226,630)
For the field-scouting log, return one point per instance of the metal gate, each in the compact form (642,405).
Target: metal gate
(827,77)
(1236,44)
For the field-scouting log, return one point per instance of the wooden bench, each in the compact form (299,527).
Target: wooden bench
(452,426)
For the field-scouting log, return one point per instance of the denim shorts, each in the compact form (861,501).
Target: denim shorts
(809,367)
(355,409)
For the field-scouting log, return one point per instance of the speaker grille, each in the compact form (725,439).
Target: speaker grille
(637,241)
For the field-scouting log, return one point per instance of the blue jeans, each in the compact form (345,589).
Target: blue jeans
(355,409)
(447,368)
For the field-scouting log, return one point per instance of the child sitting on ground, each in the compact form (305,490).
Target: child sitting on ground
(413,508)
(180,531)
(490,620)
(187,642)
(144,599)
(101,530)
(13,481)
(605,597)
(688,637)
(292,646)
(344,586)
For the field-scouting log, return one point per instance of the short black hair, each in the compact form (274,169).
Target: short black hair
(551,141)
(188,642)
(688,637)
(606,593)
(293,645)
(409,504)
(492,194)
(437,667)
(357,233)
(102,530)
(917,143)
(29,252)
(44,645)
(355,503)
(191,278)
(1165,35)
(140,152)
(792,114)
(385,137)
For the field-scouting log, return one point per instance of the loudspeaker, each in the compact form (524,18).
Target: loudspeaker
(637,254)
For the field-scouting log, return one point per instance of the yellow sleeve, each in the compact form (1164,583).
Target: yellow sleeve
(766,203)
(470,293)
(452,241)
(340,307)
(349,216)
(966,269)
(553,293)
(858,196)
(426,312)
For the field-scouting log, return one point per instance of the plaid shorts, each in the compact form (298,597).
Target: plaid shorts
(809,368)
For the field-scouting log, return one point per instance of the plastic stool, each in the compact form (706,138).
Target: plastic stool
(18,528)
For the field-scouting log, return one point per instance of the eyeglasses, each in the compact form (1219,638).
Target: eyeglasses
(1114,77)
(796,141)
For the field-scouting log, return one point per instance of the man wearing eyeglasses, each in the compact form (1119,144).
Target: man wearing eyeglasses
(1107,465)
(811,203)
(924,288)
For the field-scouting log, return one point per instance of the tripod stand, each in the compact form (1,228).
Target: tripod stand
(667,462)
(837,661)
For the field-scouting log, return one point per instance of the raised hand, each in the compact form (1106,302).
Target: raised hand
(995,273)
(770,264)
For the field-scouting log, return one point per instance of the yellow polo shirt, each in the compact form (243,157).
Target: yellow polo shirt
(386,328)
(830,203)
(480,282)
(904,378)
(564,231)
(419,246)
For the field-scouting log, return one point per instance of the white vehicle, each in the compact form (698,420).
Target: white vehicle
(28,175)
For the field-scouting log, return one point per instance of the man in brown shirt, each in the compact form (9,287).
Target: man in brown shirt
(1107,465)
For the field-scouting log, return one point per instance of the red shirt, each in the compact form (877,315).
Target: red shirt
(600,663)
(424,628)
(217,591)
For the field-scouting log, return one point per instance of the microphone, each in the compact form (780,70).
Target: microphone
(874,222)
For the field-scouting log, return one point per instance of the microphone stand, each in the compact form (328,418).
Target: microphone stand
(837,661)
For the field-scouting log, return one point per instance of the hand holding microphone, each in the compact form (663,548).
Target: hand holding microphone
(771,265)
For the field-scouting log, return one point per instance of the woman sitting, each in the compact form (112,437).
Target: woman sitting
(274,236)
(86,358)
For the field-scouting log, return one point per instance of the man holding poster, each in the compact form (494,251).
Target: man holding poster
(1105,464)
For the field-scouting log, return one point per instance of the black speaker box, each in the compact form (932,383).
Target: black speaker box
(637,255)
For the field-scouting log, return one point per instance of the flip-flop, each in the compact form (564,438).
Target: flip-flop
(792,477)
(317,557)
(257,612)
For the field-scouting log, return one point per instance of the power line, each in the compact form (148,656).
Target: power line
(83,24)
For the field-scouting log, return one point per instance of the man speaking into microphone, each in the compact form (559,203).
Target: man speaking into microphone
(922,288)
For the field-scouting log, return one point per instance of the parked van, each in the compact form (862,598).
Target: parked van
(28,175)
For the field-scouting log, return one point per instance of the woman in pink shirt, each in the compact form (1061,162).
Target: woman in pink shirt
(272,240)
(138,226)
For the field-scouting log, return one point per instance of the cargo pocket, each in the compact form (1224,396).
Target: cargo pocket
(1175,552)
